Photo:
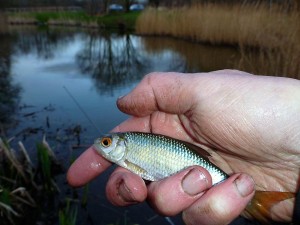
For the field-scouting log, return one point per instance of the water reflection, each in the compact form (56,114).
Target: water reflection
(115,60)
(196,57)
(96,68)
(111,59)
(202,58)
(9,92)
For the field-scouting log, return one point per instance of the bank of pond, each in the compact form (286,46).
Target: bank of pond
(71,49)
(271,32)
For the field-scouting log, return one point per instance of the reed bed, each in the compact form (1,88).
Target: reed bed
(277,62)
(252,25)
(25,187)
(273,32)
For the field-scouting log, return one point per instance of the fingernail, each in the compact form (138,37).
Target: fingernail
(194,182)
(125,193)
(245,185)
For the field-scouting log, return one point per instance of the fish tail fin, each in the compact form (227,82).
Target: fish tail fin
(262,202)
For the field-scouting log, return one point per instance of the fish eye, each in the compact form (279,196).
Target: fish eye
(106,142)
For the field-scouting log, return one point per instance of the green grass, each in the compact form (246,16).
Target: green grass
(68,215)
(115,20)
(112,20)
(23,185)
(77,16)
(44,163)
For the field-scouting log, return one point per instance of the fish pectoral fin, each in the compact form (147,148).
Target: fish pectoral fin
(263,201)
(135,168)
(139,170)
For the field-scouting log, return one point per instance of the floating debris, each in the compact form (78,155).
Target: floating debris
(30,114)
(49,108)
(25,106)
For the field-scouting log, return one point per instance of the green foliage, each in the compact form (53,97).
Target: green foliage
(68,215)
(45,17)
(4,197)
(84,198)
(116,20)
(6,210)
(21,183)
(42,17)
(112,20)
(45,165)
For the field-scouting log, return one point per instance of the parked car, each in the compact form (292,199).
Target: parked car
(115,8)
(136,7)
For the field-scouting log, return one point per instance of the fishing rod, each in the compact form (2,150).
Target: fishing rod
(81,109)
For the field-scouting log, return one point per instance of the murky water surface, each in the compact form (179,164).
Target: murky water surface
(61,81)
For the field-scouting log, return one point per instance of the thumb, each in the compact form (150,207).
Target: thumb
(167,92)
(222,203)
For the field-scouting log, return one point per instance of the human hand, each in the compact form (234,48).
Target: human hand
(251,121)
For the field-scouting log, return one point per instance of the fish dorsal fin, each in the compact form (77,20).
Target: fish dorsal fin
(262,202)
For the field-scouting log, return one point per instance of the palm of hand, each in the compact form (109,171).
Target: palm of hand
(250,131)
(258,161)
(271,170)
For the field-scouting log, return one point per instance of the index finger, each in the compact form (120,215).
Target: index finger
(90,164)
(171,92)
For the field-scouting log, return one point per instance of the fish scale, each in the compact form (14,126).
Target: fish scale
(155,157)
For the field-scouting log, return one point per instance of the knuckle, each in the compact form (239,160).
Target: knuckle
(112,194)
(219,212)
(157,202)
(213,214)
(160,202)
(150,77)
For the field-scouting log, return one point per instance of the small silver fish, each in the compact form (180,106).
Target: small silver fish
(154,156)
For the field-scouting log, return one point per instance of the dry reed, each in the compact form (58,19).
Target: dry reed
(273,31)
(229,24)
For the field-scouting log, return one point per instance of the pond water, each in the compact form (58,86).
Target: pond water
(58,80)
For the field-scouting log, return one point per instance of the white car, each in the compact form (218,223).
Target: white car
(115,8)
(136,7)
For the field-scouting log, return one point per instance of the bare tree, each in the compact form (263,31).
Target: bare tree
(104,5)
(127,4)
(154,3)
(92,7)
(4,4)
